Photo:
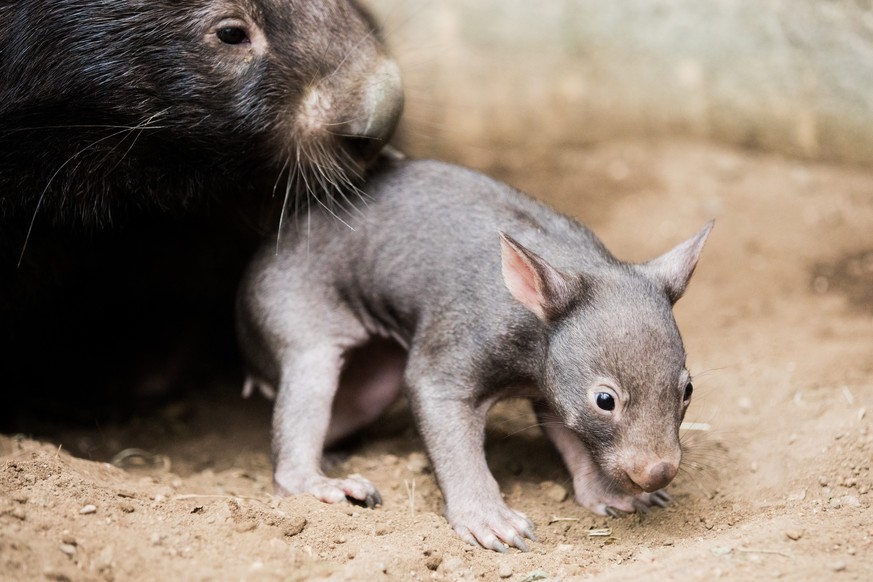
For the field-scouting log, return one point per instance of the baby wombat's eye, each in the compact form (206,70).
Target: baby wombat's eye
(605,401)
(232,35)
(689,389)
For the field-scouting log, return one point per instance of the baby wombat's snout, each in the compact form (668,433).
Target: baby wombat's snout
(652,472)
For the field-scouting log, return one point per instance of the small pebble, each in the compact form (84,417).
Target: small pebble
(390,459)
(433,562)
(417,463)
(453,564)
(294,526)
(68,549)
(851,501)
(88,509)
(794,535)
(554,491)
(504,571)
(838,566)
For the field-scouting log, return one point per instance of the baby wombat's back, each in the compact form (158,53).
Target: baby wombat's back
(438,218)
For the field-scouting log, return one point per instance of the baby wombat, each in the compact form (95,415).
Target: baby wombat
(493,295)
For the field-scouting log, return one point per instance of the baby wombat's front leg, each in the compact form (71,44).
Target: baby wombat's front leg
(301,417)
(453,428)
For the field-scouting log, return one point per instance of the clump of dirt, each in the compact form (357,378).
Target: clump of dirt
(776,481)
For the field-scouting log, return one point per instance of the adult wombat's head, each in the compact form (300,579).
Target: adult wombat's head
(110,107)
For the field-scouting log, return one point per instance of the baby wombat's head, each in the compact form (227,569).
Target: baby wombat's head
(111,105)
(615,366)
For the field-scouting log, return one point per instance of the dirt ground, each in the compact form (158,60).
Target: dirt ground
(778,323)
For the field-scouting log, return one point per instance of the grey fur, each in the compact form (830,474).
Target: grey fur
(427,264)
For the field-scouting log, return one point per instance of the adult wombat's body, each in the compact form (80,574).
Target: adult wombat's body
(120,119)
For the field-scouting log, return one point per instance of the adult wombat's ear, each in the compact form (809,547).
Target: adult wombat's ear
(673,269)
(534,283)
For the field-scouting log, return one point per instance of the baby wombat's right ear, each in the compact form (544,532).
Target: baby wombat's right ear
(534,283)
(674,268)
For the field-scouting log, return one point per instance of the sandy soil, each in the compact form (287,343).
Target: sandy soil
(778,323)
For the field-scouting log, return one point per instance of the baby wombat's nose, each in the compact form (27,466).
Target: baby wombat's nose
(380,108)
(655,476)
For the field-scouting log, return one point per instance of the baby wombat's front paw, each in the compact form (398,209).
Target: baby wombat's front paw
(493,526)
(352,488)
(594,496)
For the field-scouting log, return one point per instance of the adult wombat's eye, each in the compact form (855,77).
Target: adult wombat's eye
(232,35)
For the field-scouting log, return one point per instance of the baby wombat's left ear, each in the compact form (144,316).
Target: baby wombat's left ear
(673,269)
(541,288)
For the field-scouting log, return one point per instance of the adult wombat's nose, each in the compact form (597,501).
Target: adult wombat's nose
(379,109)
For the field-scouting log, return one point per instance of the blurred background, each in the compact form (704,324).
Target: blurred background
(486,77)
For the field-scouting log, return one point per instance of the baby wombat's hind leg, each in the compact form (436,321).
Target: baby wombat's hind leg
(370,383)
(301,417)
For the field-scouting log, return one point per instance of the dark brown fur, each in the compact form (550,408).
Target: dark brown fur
(137,149)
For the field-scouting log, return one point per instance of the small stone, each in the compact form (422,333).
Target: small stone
(823,481)
(390,459)
(382,530)
(20,497)
(18,513)
(554,491)
(794,534)
(68,549)
(67,538)
(835,503)
(127,507)
(433,562)
(157,538)
(88,509)
(294,526)
(838,566)
(504,571)
(745,403)
(850,500)
(453,564)
(417,463)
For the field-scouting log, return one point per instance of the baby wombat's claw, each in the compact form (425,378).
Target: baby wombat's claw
(265,389)
(641,507)
(660,498)
(614,512)
(353,488)
(493,536)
